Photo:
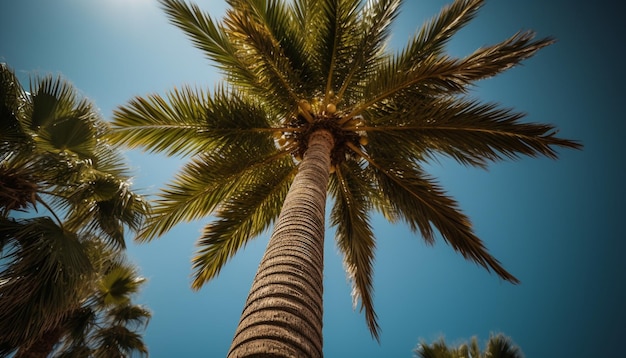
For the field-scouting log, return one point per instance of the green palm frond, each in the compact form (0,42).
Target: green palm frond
(249,211)
(53,99)
(119,341)
(12,96)
(473,133)
(135,316)
(205,182)
(355,239)
(409,194)
(501,346)
(119,284)
(189,121)
(435,34)
(367,48)
(46,272)
(264,55)
(211,38)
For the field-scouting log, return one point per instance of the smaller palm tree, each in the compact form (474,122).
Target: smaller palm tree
(54,161)
(498,346)
(107,324)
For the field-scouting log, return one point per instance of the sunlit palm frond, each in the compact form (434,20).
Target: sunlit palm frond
(204,183)
(492,60)
(334,38)
(437,75)
(119,341)
(274,72)
(189,121)
(435,34)
(354,235)
(211,38)
(118,285)
(369,39)
(249,211)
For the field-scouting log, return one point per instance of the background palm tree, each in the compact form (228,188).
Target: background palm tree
(54,160)
(312,103)
(498,346)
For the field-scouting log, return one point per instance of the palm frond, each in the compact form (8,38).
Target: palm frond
(501,346)
(211,38)
(119,341)
(45,275)
(354,235)
(205,182)
(473,133)
(189,121)
(435,34)
(249,211)
(368,45)
(437,75)
(274,72)
(411,195)
(118,285)
(129,315)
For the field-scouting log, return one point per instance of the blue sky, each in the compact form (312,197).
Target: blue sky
(556,225)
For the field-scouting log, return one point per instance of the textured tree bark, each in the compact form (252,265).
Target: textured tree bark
(282,316)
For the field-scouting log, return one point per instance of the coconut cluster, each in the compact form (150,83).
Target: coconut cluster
(315,116)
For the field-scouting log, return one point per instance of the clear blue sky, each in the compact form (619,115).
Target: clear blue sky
(556,225)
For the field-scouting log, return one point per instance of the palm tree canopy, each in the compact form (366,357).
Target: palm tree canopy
(498,346)
(295,67)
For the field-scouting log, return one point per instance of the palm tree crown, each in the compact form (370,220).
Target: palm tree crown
(294,69)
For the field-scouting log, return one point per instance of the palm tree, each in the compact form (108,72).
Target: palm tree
(313,103)
(498,346)
(106,324)
(54,160)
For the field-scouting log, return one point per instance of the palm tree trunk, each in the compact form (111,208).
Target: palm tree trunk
(283,313)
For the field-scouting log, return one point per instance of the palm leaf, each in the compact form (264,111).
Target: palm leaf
(189,121)
(354,235)
(411,195)
(470,132)
(204,183)
(211,38)
(46,272)
(250,210)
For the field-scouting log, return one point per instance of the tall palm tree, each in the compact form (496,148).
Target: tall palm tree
(54,160)
(498,346)
(313,103)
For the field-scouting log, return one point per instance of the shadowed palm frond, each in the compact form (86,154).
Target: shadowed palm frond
(473,133)
(119,341)
(411,195)
(355,239)
(46,272)
(134,316)
(249,211)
